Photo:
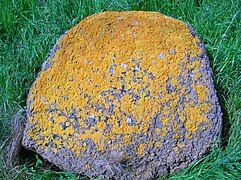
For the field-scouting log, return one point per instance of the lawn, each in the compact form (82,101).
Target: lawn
(29,28)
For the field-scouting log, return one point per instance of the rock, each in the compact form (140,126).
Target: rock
(124,95)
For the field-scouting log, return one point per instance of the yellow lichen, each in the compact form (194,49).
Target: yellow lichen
(104,52)
(140,149)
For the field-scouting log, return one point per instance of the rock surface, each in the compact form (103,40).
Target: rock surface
(124,95)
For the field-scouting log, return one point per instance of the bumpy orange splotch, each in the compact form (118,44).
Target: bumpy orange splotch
(140,53)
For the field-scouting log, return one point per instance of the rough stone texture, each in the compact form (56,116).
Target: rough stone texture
(124,95)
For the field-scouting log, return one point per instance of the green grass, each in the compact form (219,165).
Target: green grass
(29,28)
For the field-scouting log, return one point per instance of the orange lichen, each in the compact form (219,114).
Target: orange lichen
(140,149)
(140,53)
(201,92)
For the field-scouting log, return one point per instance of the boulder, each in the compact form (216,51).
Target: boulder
(124,95)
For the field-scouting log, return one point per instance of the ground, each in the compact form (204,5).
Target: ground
(28,29)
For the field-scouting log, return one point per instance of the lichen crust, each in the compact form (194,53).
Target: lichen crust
(124,95)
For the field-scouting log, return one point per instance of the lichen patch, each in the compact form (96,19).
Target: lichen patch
(134,83)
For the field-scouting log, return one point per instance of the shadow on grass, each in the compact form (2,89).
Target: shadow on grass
(35,167)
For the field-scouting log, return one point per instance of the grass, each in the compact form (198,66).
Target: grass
(29,28)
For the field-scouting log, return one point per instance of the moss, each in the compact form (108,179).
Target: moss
(130,62)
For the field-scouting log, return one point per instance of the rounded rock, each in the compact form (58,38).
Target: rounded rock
(124,95)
